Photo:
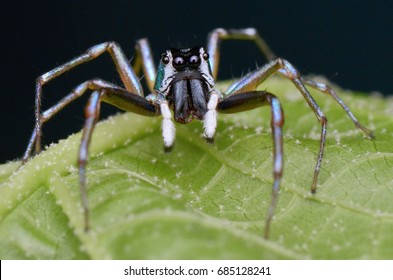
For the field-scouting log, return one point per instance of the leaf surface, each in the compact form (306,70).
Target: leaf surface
(209,201)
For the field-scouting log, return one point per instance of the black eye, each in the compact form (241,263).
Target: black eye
(205,56)
(165,59)
(178,61)
(194,59)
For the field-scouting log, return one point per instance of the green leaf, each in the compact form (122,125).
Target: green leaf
(209,201)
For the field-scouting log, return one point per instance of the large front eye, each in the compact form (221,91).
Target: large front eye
(178,61)
(194,59)
(165,59)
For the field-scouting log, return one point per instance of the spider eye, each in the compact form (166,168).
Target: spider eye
(194,59)
(205,56)
(165,59)
(178,61)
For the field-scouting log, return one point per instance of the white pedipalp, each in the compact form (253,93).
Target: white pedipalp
(210,119)
(168,127)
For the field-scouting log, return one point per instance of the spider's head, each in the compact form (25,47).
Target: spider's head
(182,64)
(184,77)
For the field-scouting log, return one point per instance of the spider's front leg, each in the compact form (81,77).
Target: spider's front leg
(119,98)
(250,100)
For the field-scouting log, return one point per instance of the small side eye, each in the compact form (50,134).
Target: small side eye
(165,59)
(205,56)
(178,61)
(194,59)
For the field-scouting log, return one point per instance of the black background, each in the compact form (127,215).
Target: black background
(350,42)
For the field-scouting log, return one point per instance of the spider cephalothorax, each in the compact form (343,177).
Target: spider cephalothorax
(184,83)
(184,79)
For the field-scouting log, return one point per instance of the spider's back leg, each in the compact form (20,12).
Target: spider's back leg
(247,34)
(127,75)
(144,60)
(324,88)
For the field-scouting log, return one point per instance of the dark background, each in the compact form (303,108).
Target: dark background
(350,42)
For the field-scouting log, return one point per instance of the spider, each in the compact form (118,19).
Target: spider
(184,83)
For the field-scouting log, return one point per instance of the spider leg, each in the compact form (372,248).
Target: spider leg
(119,98)
(329,91)
(255,78)
(127,75)
(210,119)
(92,112)
(250,100)
(144,60)
(217,35)
(49,113)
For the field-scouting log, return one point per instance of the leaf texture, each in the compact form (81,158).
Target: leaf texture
(209,201)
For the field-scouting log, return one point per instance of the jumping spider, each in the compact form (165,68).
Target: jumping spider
(184,83)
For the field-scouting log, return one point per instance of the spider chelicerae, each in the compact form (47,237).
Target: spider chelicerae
(183,84)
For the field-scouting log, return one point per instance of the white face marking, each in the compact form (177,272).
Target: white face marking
(210,119)
(168,127)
